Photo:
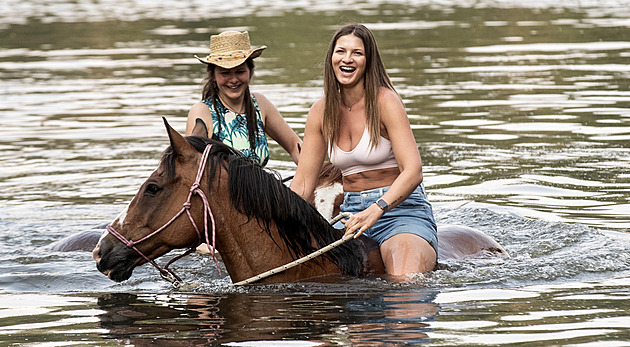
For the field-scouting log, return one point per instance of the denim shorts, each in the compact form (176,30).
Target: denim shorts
(414,215)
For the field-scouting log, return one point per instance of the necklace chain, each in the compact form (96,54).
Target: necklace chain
(229,107)
(356,102)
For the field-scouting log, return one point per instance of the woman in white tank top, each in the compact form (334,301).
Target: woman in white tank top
(361,122)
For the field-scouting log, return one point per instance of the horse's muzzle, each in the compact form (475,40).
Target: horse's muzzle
(115,260)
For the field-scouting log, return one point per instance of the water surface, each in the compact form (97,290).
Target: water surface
(521,113)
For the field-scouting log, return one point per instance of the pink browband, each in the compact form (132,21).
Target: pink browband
(167,273)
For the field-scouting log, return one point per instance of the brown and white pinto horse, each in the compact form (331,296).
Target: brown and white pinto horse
(255,221)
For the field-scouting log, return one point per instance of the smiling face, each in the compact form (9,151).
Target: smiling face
(348,60)
(232,82)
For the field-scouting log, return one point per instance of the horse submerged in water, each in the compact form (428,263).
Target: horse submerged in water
(247,214)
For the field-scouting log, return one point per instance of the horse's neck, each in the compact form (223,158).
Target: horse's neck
(248,250)
(245,247)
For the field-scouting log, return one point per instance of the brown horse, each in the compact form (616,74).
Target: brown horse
(254,220)
(260,223)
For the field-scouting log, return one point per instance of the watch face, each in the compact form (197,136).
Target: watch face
(382,204)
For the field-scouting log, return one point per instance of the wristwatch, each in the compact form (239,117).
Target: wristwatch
(382,204)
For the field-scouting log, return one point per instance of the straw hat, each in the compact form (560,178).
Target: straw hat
(230,49)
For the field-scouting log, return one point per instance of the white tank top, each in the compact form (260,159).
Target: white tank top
(362,158)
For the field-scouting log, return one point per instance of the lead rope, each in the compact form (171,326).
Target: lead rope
(304,259)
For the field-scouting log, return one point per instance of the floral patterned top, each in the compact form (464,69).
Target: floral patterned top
(231,129)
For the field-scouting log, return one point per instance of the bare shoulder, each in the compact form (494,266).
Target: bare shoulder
(266,107)
(318,107)
(316,113)
(387,96)
(390,105)
(199,109)
(259,97)
(262,100)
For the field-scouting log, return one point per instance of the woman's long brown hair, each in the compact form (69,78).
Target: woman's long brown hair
(375,77)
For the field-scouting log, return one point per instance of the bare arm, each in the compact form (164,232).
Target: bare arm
(278,129)
(199,110)
(394,118)
(313,153)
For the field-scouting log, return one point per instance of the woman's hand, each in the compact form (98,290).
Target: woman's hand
(363,220)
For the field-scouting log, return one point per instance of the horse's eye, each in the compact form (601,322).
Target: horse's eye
(152,189)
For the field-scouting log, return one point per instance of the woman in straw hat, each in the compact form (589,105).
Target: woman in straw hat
(362,124)
(237,117)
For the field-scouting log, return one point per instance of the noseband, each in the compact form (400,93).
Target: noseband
(167,273)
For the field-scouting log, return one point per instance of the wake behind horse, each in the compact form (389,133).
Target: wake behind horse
(253,220)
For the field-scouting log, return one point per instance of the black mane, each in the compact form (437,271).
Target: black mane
(260,194)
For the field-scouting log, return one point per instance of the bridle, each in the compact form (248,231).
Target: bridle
(165,272)
(171,276)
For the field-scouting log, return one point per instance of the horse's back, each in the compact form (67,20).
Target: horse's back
(454,241)
(81,241)
(458,241)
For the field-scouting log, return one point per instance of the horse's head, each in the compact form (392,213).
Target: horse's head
(155,221)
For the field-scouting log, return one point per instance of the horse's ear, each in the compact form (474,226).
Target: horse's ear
(178,142)
(200,128)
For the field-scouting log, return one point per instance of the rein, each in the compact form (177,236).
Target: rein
(165,272)
(303,259)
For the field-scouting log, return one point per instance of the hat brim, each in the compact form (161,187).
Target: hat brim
(230,62)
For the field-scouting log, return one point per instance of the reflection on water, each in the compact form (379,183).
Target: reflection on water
(198,319)
(549,314)
(521,111)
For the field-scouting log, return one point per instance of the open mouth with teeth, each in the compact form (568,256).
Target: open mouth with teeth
(347,69)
